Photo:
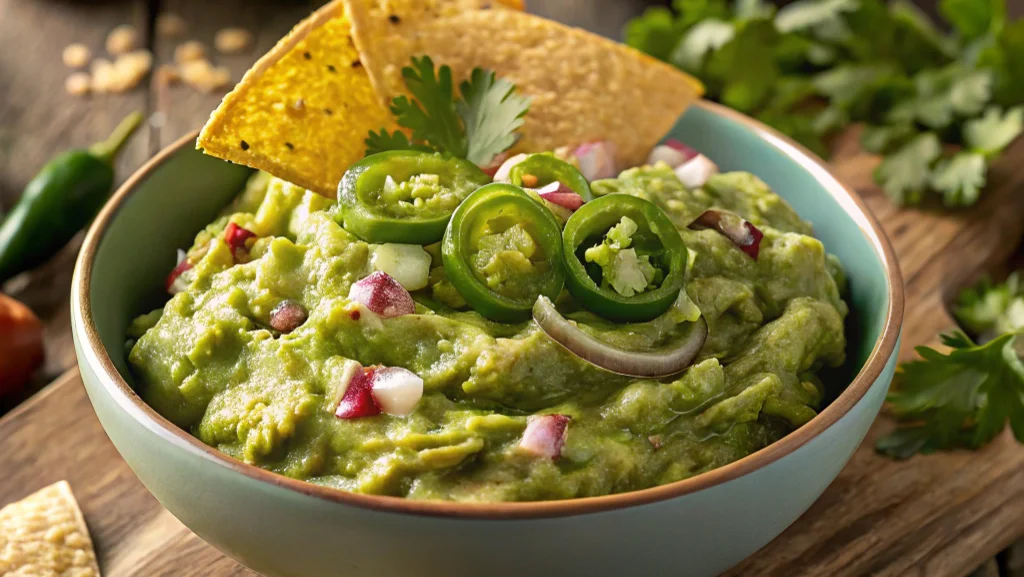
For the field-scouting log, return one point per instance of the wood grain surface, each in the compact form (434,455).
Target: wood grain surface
(941,515)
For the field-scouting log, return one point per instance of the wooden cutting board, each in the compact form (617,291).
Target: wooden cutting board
(940,515)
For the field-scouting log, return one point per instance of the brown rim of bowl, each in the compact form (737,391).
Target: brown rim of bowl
(880,354)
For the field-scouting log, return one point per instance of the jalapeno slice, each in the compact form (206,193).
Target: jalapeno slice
(624,259)
(501,251)
(405,196)
(538,170)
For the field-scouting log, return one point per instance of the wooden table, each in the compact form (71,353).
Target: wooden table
(941,515)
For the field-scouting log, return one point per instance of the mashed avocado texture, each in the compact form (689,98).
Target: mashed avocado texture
(211,362)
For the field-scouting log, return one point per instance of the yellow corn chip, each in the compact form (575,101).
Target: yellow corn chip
(582,87)
(44,535)
(303,110)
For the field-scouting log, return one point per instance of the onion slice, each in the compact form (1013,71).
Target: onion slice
(616,360)
(740,231)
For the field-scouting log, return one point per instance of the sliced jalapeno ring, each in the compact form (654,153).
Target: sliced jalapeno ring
(538,170)
(612,226)
(502,250)
(405,196)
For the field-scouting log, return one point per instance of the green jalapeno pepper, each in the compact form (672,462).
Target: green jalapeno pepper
(65,195)
(629,237)
(547,169)
(405,196)
(501,251)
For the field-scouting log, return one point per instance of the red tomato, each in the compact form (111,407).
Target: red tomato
(21,345)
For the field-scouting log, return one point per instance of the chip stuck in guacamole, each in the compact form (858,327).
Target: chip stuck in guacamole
(496,299)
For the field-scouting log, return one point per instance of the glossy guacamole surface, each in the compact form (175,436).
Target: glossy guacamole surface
(210,362)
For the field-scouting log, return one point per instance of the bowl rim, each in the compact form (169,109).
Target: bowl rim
(93,353)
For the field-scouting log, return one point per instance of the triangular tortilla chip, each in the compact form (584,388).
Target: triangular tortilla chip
(45,534)
(303,110)
(583,87)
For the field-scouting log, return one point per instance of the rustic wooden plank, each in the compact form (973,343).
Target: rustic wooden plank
(183,109)
(133,534)
(39,119)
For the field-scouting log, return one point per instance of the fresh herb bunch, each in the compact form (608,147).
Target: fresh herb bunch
(478,126)
(965,398)
(959,400)
(815,66)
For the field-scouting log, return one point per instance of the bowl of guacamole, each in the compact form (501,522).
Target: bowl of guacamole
(487,337)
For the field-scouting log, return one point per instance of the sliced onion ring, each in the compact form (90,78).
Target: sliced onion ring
(616,360)
(740,231)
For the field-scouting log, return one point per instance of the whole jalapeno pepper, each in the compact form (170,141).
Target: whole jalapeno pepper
(538,170)
(405,196)
(65,195)
(501,251)
(625,260)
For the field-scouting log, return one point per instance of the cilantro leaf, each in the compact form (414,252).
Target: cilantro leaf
(807,14)
(904,174)
(995,130)
(917,43)
(984,306)
(491,112)
(745,66)
(945,94)
(703,39)
(693,11)
(973,18)
(960,178)
(962,399)
(752,9)
(432,116)
(881,139)
(1006,58)
(655,32)
(383,142)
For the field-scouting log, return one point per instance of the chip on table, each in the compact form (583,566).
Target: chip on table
(44,535)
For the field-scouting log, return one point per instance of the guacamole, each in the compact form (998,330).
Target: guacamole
(212,361)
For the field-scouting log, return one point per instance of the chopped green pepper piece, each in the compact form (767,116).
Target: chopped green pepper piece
(501,251)
(405,196)
(625,260)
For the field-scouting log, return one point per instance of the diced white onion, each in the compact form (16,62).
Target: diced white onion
(409,264)
(396,390)
(696,171)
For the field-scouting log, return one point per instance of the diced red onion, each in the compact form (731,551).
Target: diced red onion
(501,175)
(396,390)
(596,160)
(741,232)
(492,168)
(560,194)
(687,151)
(383,295)
(614,359)
(174,283)
(545,435)
(358,399)
(236,237)
(287,316)
(696,171)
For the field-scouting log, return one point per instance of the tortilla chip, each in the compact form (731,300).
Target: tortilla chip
(303,110)
(44,535)
(583,87)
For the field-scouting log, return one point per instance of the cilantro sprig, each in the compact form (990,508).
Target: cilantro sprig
(961,399)
(815,66)
(477,126)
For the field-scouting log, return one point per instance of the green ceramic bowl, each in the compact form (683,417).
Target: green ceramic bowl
(282,527)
